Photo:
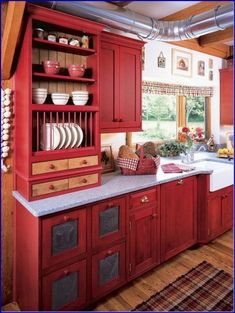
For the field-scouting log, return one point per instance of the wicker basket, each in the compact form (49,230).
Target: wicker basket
(146,166)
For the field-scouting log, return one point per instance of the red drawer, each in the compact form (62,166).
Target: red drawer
(143,198)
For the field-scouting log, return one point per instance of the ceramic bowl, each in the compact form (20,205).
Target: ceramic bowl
(59,98)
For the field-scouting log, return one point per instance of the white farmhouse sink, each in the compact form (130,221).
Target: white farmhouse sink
(222,175)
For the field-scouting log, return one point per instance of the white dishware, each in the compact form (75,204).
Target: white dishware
(68,136)
(59,99)
(74,135)
(63,136)
(80,135)
(79,102)
(50,137)
(79,92)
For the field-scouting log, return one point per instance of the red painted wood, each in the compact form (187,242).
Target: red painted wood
(215,218)
(178,216)
(144,198)
(44,76)
(97,290)
(227,209)
(27,262)
(47,285)
(48,259)
(144,240)
(98,240)
(226,96)
(64,108)
(120,83)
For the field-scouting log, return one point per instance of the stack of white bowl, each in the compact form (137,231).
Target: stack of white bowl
(80,97)
(59,98)
(39,95)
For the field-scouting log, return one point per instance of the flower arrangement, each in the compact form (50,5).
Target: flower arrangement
(190,135)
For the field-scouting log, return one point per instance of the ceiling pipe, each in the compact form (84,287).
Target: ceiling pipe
(149,28)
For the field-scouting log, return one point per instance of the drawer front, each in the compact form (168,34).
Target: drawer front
(83,162)
(49,166)
(49,187)
(63,237)
(143,198)
(84,180)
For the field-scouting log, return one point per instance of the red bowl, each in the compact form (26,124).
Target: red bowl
(51,69)
(51,62)
(76,66)
(76,72)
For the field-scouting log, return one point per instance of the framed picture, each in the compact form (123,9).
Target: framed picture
(181,63)
(210,64)
(107,160)
(201,68)
(210,75)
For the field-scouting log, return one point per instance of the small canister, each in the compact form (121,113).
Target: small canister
(38,33)
(85,41)
(63,40)
(74,42)
(51,37)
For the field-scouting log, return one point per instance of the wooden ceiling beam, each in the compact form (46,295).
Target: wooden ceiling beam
(216,49)
(13,21)
(220,36)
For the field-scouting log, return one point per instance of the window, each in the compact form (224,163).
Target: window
(158,118)
(163,114)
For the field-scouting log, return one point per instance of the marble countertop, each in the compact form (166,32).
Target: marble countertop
(113,184)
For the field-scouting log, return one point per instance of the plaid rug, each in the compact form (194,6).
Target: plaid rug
(204,288)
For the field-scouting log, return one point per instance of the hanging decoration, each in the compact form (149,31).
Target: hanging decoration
(161,60)
(6,114)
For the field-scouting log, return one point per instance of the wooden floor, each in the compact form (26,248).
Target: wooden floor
(219,253)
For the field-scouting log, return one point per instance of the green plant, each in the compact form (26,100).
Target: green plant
(172,148)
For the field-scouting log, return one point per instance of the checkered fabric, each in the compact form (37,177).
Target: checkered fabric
(204,288)
(127,163)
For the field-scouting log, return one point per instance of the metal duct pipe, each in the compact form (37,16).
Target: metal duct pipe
(149,28)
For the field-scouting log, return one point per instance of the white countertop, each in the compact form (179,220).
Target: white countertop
(113,184)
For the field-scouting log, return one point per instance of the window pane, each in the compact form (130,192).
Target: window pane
(195,112)
(158,118)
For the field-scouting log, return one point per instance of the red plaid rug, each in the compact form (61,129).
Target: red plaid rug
(204,288)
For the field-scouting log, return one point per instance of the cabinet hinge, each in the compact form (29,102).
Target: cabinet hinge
(130,267)
(130,225)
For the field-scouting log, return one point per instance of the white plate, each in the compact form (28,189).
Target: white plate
(80,135)
(63,136)
(53,132)
(68,136)
(74,135)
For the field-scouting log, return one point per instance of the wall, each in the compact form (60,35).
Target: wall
(164,75)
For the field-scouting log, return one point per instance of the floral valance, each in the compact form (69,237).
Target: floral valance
(152,87)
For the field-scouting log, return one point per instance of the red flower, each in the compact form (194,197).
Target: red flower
(198,130)
(185,129)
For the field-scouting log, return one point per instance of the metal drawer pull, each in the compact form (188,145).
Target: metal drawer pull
(84,180)
(66,272)
(144,199)
(51,166)
(66,218)
(110,205)
(51,187)
(154,215)
(180,182)
(84,162)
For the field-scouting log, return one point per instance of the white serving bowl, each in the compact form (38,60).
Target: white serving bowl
(79,92)
(79,102)
(60,95)
(39,99)
(59,99)
(39,90)
(80,97)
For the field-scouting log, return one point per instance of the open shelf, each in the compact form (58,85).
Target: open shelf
(64,108)
(42,43)
(44,76)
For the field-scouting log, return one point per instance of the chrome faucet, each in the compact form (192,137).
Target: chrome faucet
(201,148)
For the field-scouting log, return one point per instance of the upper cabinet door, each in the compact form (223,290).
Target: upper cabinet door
(109,86)
(226,96)
(130,88)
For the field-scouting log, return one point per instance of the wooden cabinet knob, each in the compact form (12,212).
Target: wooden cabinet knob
(115,120)
(51,166)
(180,182)
(110,205)
(84,162)
(51,187)
(66,218)
(84,180)
(109,252)
(121,120)
(154,215)
(224,196)
(145,199)
(66,272)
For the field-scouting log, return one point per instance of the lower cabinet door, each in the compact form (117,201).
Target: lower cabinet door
(108,270)
(144,240)
(227,210)
(214,216)
(65,289)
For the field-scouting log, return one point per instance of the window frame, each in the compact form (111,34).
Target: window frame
(181,119)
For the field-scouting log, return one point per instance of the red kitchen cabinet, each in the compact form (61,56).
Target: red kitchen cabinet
(108,221)
(215,210)
(226,96)
(65,289)
(120,83)
(144,231)
(178,216)
(108,270)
